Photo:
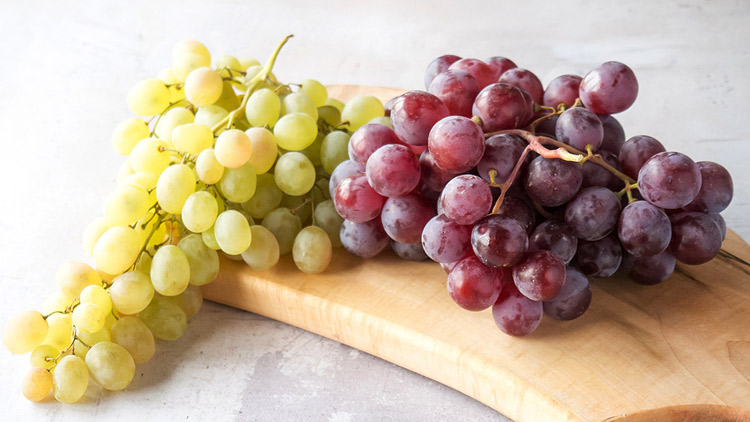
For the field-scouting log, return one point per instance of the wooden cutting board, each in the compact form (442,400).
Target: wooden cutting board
(673,352)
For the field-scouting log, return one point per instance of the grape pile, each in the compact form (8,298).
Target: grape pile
(572,198)
(223,146)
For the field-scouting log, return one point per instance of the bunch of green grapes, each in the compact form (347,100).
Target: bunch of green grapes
(221,159)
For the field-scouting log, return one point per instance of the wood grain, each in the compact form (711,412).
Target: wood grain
(676,351)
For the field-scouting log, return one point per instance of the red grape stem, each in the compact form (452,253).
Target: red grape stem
(628,190)
(511,178)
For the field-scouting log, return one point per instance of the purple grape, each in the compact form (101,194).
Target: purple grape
(519,210)
(636,151)
(448,266)
(547,126)
(393,170)
(404,217)
(669,180)
(355,200)
(614,135)
(502,106)
(388,106)
(456,89)
(716,190)
(608,89)
(554,236)
(600,258)
(473,285)
(456,144)
(593,213)
(552,182)
(409,251)
(562,90)
(414,115)
(341,172)
(501,153)
(526,80)
(696,238)
(466,199)
(363,239)
(596,175)
(649,270)
(444,240)
(498,241)
(499,65)
(438,66)
(539,275)
(514,313)
(481,71)
(433,176)
(368,139)
(721,223)
(574,298)
(578,128)
(644,230)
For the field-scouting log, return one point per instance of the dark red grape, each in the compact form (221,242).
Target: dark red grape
(608,89)
(500,65)
(547,126)
(393,170)
(480,70)
(456,144)
(649,270)
(596,175)
(526,80)
(669,180)
(501,153)
(600,258)
(552,182)
(716,190)
(498,241)
(363,239)
(341,172)
(414,115)
(367,139)
(636,151)
(515,314)
(518,209)
(721,223)
(356,200)
(696,238)
(473,285)
(593,213)
(456,89)
(574,298)
(446,241)
(404,217)
(409,251)
(466,199)
(554,236)
(643,229)
(578,128)
(502,106)
(433,176)
(614,135)
(539,275)
(438,66)
(562,90)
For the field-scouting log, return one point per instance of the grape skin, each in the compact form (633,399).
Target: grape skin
(405,217)
(526,80)
(574,298)
(473,285)
(500,65)
(552,182)
(515,314)
(481,71)
(562,90)
(636,151)
(456,144)
(696,238)
(555,236)
(466,199)
(643,229)
(610,88)
(498,241)
(363,239)
(600,258)
(593,213)
(579,128)
(669,180)
(716,190)
(649,270)
(457,90)
(444,240)
(502,106)
(436,67)
(539,275)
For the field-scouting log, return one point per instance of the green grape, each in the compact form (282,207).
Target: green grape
(127,134)
(232,232)
(263,252)
(238,185)
(322,185)
(127,204)
(117,249)
(203,86)
(145,180)
(60,330)
(312,250)
(164,319)
(91,339)
(267,197)
(42,356)
(210,115)
(70,379)
(56,302)
(330,115)
(98,296)
(233,148)
(227,63)
(150,155)
(263,108)
(383,120)
(188,55)
(360,110)
(192,138)
(190,301)
(299,102)
(295,131)
(247,62)
(335,103)
(299,205)
(334,150)
(264,149)
(131,292)
(228,99)
(313,151)
(174,187)
(176,93)
(170,120)
(93,232)
(132,334)
(209,238)
(208,167)
(72,277)
(110,320)
(284,225)
(199,212)
(315,91)
(124,170)
(110,365)
(170,271)
(148,98)
(24,332)
(143,264)
(88,317)
(294,174)
(202,260)
(36,384)
(326,217)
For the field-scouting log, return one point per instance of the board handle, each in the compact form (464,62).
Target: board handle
(687,413)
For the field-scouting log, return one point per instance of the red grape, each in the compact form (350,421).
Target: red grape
(500,65)
(716,190)
(649,270)
(502,106)
(501,153)
(356,200)
(456,89)
(593,213)
(636,151)
(696,238)
(669,180)
(473,285)
(644,230)
(466,199)
(562,90)
(393,170)
(578,128)
(363,239)
(552,182)
(414,114)
(498,241)
(444,240)
(367,139)
(433,176)
(526,80)
(438,66)
(481,71)
(554,236)
(456,144)
(404,217)
(514,313)
(574,298)
(539,275)
(614,135)
(608,89)
(600,258)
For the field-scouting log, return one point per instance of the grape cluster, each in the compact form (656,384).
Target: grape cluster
(572,198)
(223,146)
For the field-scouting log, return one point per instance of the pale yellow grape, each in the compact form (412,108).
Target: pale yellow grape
(127,204)
(299,102)
(36,384)
(383,120)
(170,271)
(150,155)
(145,180)
(203,86)
(315,90)
(117,249)
(203,261)
(60,330)
(226,63)
(334,150)
(127,134)
(246,62)
(232,257)
(284,225)
(326,217)
(93,232)
(232,232)
(56,302)
(264,149)
(360,110)
(228,99)
(210,115)
(185,64)
(295,132)
(330,115)
(233,148)
(98,296)
(131,292)
(88,317)
(267,197)
(132,334)
(92,338)
(143,265)
(72,277)
(42,356)
(312,250)
(263,108)
(170,120)
(148,98)
(110,365)
(193,47)
(209,239)
(176,93)
(301,206)
(111,319)
(175,184)
(335,103)
(164,319)
(124,170)
(294,174)
(313,151)
(208,167)
(190,301)
(70,379)
(199,212)
(238,185)
(192,138)
(263,252)
(24,332)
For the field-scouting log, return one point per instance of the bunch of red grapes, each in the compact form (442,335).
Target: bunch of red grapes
(521,193)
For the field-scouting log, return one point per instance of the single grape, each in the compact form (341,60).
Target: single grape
(614,135)
(192,138)
(98,296)
(669,180)
(405,217)
(457,90)
(596,175)
(174,187)
(164,319)
(502,106)
(515,314)
(110,365)
(170,270)
(360,110)
(636,151)
(238,184)
(70,379)
(696,238)
(554,236)
(210,115)
(299,102)
(132,334)
(131,292)
(525,80)
(456,144)
(501,153)
(519,210)
(148,97)
(600,258)
(117,249)
(433,176)
(312,250)
(341,172)
(363,239)
(208,168)
(127,134)
(150,155)
(414,114)
(267,197)
(295,131)
(263,252)
(719,220)
(294,174)
(547,126)
(649,270)
(552,182)
(438,66)
(188,55)
(72,277)
(263,108)
(190,300)
(24,332)
(356,200)
(199,211)
(264,149)
(473,285)
(284,224)
(500,65)
(232,232)
(444,240)
(499,241)
(562,90)
(393,170)
(716,190)
(202,260)
(539,275)
(593,213)
(409,251)
(643,229)
(481,71)
(334,150)
(36,384)
(574,298)
(579,128)
(170,120)
(608,89)
(233,148)
(466,199)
